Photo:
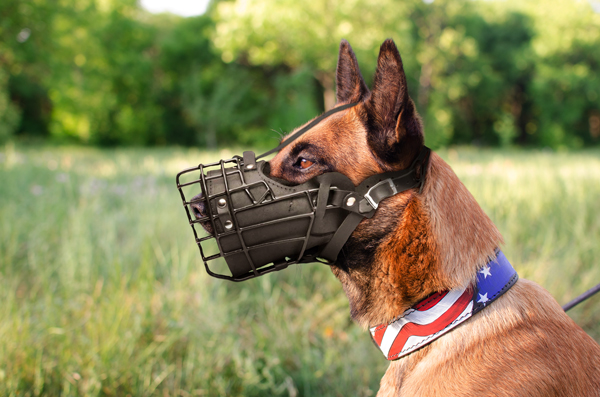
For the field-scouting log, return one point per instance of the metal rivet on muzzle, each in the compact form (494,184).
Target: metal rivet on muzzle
(249,166)
(350,202)
(228,225)
(222,202)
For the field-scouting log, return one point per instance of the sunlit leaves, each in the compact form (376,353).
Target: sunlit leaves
(298,33)
(485,72)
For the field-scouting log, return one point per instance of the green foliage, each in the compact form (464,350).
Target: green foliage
(229,102)
(108,73)
(275,32)
(476,73)
(103,291)
(105,77)
(473,67)
(24,39)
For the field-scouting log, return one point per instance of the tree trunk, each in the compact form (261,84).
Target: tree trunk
(425,85)
(211,138)
(327,83)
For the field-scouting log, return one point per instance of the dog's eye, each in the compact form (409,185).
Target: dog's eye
(304,163)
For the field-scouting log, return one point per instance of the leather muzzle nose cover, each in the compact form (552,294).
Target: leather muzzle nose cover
(259,221)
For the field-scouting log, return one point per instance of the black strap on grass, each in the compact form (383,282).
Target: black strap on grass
(306,128)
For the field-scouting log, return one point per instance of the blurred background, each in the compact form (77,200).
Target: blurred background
(108,72)
(102,289)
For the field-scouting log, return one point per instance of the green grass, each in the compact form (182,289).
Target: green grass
(103,292)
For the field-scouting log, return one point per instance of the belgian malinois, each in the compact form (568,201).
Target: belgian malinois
(420,246)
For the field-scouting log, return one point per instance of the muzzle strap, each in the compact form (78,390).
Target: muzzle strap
(322,197)
(332,249)
(374,190)
(381,186)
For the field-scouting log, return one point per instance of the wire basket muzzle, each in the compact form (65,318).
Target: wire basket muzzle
(259,224)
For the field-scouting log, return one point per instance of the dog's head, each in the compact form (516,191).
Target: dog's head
(383,132)
(416,243)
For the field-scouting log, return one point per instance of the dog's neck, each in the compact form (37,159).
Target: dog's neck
(443,311)
(416,245)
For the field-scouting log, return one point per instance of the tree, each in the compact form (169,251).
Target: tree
(25,52)
(297,33)
(566,82)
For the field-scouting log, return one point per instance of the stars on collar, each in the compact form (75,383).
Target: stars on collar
(483,298)
(485,271)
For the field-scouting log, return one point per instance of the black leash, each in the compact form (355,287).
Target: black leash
(586,295)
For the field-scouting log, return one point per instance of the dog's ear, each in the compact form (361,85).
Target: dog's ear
(349,82)
(395,129)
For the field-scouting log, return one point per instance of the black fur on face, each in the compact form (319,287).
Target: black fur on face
(360,248)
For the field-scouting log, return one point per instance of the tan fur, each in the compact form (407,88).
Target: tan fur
(465,235)
(346,143)
(397,276)
(522,344)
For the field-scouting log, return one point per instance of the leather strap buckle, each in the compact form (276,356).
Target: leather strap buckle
(379,191)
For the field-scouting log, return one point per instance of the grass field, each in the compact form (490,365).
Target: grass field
(103,292)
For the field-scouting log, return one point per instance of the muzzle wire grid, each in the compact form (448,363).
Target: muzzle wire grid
(252,224)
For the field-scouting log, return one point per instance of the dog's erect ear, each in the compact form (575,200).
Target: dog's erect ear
(350,85)
(395,129)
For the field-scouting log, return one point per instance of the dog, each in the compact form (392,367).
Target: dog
(425,273)
(420,243)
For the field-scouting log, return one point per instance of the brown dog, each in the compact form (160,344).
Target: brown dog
(422,243)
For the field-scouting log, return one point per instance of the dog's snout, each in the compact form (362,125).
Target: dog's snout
(198,206)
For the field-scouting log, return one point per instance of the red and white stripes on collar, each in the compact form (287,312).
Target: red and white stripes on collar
(441,312)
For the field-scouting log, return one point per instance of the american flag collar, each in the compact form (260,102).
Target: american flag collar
(442,311)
